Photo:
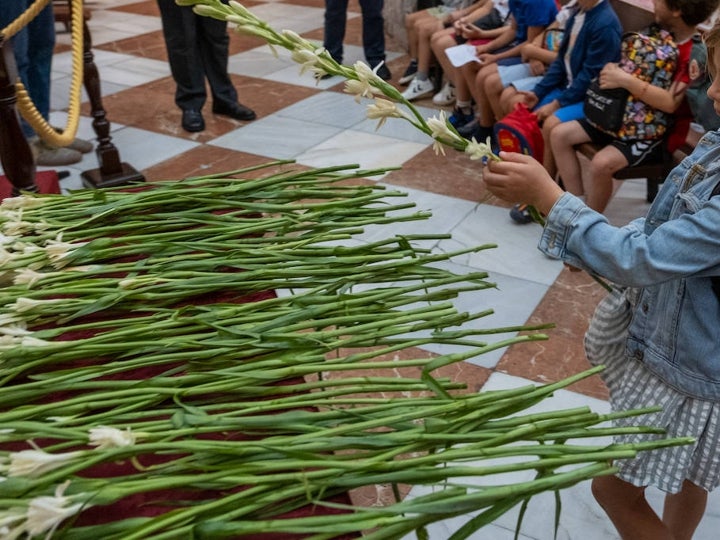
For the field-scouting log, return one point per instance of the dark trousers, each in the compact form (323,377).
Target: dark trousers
(197,48)
(372,25)
(33,51)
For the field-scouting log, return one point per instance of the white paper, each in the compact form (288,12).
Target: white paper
(461,55)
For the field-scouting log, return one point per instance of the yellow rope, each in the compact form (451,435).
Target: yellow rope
(24,103)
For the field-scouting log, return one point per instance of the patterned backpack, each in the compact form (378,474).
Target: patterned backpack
(651,57)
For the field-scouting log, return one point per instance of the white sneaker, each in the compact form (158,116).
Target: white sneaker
(446,96)
(418,89)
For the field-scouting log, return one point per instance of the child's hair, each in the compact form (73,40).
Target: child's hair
(712,42)
(693,12)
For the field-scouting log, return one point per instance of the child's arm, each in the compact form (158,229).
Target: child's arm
(681,247)
(490,56)
(520,178)
(612,76)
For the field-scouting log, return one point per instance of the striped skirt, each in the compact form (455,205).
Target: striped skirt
(632,386)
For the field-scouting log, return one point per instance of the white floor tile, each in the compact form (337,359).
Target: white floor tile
(329,108)
(369,151)
(277,137)
(516,254)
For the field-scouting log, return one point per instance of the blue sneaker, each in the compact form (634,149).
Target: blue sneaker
(459,118)
(520,214)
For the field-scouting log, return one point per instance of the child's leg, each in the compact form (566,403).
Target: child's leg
(562,143)
(509,97)
(411,22)
(603,166)
(548,161)
(493,90)
(485,112)
(464,81)
(425,54)
(684,510)
(628,509)
(438,43)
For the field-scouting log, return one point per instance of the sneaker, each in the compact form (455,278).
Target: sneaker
(459,118)
(418,89)
(50,156)
(446,96)
(384,73)
(409,74)
(520,214)
(81,145)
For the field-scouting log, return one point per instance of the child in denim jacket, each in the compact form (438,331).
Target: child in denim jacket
(671,351)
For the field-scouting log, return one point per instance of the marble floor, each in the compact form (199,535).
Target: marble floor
(316,124)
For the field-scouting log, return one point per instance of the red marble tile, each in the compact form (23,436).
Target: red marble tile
(205,160)
(149,45)
(569,303)
(147,7)
(152,107)
(453,174)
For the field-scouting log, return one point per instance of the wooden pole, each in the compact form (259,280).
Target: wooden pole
(16,156)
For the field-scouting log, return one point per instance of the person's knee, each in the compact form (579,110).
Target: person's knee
(606,163)
(612,493)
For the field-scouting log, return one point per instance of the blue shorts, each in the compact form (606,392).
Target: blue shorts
(510,74)
(526,84)
(574,111)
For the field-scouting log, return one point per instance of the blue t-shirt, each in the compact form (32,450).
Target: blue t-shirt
(531,13)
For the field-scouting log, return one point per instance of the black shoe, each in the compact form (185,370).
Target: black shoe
(192,120)
(409,74)
(467,129)
(235,111)
(383,72)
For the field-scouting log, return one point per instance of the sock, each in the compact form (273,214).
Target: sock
(464,106)
(421,76)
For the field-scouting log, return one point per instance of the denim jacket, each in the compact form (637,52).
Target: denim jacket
(671,254)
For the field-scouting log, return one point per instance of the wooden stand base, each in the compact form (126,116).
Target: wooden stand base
(94,178)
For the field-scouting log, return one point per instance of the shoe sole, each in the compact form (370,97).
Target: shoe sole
(418,96)
(406,79)
(443,102)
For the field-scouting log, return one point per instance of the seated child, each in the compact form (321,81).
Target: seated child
(680,17)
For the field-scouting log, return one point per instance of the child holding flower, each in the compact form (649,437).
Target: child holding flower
(669,354)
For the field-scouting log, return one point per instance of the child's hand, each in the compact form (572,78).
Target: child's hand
(487,58)
(529,99)
(521,179)
(613,76)
(537,67)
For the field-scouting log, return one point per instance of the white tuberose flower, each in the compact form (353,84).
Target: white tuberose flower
(363,87)
(34,463)
(383,109)
(46,513)
(12,523)
(440,132)
(109,437)
(478,150)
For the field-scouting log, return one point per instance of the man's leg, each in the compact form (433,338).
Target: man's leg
(335,21)
(373,31)
(179,29)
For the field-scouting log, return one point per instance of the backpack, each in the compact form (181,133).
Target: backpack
(519,131)
(700,104)
(651,57)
